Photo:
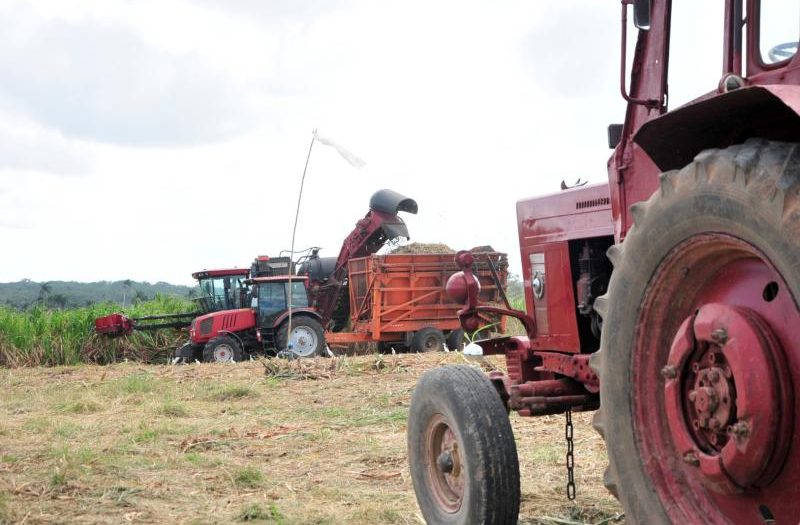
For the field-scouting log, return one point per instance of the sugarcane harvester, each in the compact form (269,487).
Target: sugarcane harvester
(668,300)
(291,312)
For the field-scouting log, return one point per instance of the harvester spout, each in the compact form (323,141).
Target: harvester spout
(389,201)
(379,226)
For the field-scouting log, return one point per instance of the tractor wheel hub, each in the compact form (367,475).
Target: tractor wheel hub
(725,392)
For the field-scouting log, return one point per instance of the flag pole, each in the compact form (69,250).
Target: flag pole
(289,344)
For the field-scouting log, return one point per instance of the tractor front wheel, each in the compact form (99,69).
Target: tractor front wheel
(222,349)
(700,351)
(461,450)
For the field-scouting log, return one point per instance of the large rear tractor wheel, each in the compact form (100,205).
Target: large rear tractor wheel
(428,339)
(461,450)
(222,349)
(700,352)
(308,337)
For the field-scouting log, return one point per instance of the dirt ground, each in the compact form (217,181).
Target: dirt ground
(316,441)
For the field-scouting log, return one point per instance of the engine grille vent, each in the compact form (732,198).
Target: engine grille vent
(580,205)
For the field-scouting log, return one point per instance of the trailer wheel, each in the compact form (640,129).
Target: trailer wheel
(222,349)
(700,351)
(428,339)
(461,450)
(308,338)
(455,340)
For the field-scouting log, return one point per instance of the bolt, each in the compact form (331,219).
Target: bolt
(690,458)
(692,395)
(720,336)
(669,372)
(739,430)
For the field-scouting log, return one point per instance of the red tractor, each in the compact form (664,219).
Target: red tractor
(668,300)
(291,312)
(220,290)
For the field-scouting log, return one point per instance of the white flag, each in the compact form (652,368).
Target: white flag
(354,161)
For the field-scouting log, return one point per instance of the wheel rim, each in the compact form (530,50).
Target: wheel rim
(223,353)
(431,344)
(304,341)
(444,465)
(715,332)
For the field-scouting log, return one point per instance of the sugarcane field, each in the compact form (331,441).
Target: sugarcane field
(435,263)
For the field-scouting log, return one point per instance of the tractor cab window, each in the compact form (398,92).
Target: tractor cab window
(221,293)
(779,30)
(272,297)
(695,50)
(299,295)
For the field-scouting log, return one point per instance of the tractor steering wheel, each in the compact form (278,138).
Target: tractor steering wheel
(782,52)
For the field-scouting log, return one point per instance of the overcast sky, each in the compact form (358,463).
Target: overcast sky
(150,139)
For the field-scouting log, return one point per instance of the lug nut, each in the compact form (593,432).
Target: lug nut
(669,372)
(720,336)
(739,430)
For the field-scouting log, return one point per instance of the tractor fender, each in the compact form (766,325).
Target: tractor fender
(296,312)
(234,335)
(771,112)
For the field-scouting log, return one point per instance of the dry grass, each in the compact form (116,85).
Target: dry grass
(311,441)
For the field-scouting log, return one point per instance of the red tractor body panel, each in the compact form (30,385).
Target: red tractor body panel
(546,227)
(211,325)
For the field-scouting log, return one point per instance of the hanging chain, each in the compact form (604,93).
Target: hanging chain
(570,457)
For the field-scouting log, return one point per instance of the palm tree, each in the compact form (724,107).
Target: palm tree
(126,287)
(44,292)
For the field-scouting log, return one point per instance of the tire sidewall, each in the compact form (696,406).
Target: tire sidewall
(434,395)
(694,208)
(211,346)
(423,335)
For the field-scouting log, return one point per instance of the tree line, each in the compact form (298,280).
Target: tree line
(26,294)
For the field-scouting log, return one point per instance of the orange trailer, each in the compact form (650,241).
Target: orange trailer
(400,300)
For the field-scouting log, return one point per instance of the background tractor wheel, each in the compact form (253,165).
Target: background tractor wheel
(222,349)
(461,450)
(455,340)
(308,337)
(428,339)
(700,351)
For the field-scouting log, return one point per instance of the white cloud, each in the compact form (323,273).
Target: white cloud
(191,123)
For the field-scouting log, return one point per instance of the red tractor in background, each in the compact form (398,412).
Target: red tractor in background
(668,299)
(221,289)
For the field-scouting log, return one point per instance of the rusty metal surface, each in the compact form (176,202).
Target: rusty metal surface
(573,366)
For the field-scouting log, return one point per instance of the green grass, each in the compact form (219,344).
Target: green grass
(229,393)
(248,477)
(45,337)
